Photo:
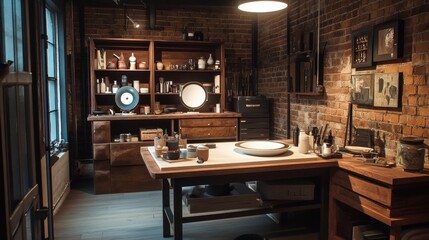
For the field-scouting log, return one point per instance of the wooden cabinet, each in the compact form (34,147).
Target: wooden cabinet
(118,166)
(387,197)
(176,58)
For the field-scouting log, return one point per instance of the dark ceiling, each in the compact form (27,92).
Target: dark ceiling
(161,3)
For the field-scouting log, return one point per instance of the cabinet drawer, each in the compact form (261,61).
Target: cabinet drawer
(101,151)
(123,154)
(363,187)
(246,123)
(208,132)
(101,132)
(209,122)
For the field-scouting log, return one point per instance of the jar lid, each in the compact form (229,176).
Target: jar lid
(412,140)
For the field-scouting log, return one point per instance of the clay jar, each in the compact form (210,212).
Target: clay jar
(203,153)
(411,153)
(201,64)
(143,65)
(159,66)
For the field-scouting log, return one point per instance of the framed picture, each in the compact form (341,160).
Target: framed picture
(387,90)
(362,48)
(363,89)
(388,41)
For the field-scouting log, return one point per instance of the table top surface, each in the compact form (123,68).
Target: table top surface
(226,159)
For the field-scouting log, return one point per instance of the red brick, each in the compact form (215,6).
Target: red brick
(424,111)
(423,90)
(407,130)
(410,90)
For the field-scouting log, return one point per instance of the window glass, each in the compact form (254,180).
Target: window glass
(53,100)
(51,60)
(8,33)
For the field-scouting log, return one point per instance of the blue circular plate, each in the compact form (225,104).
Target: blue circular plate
(127,98)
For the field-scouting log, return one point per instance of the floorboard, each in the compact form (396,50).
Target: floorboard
(138,216)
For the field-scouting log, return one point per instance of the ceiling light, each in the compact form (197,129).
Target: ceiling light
(261,6)
(135,24)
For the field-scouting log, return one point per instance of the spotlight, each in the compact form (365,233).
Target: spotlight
(135,24)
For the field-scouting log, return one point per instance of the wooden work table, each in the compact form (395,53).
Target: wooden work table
(388,195)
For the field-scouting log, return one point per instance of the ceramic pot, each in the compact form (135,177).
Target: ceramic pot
(203,153)
(303,144)
(159,66)
(411,153)
(201,64)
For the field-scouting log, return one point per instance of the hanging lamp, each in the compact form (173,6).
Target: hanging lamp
(257,6)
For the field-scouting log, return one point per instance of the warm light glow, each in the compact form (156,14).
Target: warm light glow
(262,6)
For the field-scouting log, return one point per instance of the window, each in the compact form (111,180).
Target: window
(13,48)
(55,81)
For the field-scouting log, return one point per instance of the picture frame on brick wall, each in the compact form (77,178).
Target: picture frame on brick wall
(362,89)
(387,90)
(362,43)
(388,41)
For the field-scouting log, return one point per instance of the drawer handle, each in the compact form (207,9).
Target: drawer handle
(208,134)
(208,124)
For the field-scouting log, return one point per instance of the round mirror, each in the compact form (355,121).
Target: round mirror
(193,95)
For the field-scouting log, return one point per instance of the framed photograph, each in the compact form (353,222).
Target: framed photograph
(388,41)
(387,90)
(362,48)
(363,89)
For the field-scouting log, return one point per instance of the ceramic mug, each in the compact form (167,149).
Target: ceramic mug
(192,151)
(203,153)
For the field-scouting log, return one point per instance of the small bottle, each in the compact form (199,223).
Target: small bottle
(124,81)
(115,86)
(296,136)
(132,62)
(210,60)
(311,140)
(217,64)
(98,86)
(102,86)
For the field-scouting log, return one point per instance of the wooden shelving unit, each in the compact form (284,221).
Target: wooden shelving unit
(118,167)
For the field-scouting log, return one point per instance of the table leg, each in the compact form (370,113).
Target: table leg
(177,202)
(324,195)
(165,206)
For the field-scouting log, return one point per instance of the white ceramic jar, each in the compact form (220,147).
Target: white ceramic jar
(201,64)
(303,143)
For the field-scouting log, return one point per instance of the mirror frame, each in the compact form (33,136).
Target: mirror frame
(188,96)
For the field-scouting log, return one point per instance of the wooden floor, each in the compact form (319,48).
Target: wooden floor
(138,216)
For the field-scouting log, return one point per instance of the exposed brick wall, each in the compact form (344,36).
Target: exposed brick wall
(227,25)
(337,20)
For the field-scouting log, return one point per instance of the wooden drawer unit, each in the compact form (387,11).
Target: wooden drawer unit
(210,128)
(388,195)
(101,132)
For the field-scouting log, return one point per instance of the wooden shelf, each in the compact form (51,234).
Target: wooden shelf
(122,70)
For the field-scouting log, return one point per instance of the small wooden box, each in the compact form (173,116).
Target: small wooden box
(149,134)
(241,196)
